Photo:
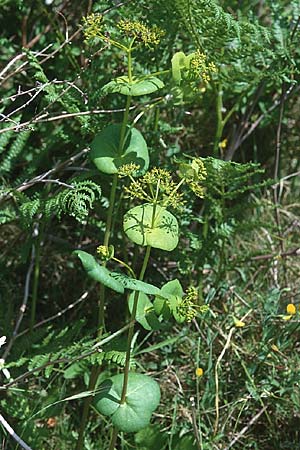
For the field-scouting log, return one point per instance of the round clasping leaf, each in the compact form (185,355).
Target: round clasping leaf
(142,398)
(162,232)
(135,88)
(107,155)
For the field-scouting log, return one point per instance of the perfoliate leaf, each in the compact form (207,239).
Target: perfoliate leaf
(142,398)
(138,86)
(180,62)
(160,231)
(172,288)
(108,155)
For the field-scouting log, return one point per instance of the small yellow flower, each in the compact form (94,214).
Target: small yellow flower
(199,372)
(291,309)
(239,323)
(223,144)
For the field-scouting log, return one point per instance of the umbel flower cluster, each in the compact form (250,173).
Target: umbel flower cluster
(92,26)
(141,32)
(136,30)
(200,69)
(188,307)
(158,186)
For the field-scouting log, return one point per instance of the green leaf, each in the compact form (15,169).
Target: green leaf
(74,370)
(168,301)
(107,155)
(172,288)
(145,314)
(97,272)
(179,62)
(151,438)
(135,285)
(186,442)
(142,398)
(162,232)
(139,86)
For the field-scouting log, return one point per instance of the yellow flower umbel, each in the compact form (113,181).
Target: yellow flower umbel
(105,252)
(141,32)
(189,307)
(92,26)
(156,186)
(194,173)
(199,68)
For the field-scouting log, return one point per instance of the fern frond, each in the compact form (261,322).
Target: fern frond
(14,151)
(75,202)
(78,201)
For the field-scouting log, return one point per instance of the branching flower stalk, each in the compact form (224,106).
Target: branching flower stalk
(108,228)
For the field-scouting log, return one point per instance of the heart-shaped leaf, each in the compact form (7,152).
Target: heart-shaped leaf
(97,272)
(138,86)
(145,314)
(142,398)
(160,231)
(108,156)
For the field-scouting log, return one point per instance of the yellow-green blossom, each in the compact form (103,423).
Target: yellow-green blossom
(199,68)
(105,252)
(92,26)
(157,186)
(141,32)
(128,169)
(188,307)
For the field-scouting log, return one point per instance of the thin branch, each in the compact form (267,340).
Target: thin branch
(246,428)
(95,349)
(38,179)
(13,434)
(23,305)
(292,252)
(11,63)
(55,316)
(249,129)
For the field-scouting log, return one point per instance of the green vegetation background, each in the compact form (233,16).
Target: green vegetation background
(239,246)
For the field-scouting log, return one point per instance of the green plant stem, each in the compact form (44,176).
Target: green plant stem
(131,329)
(112,199)
(86,406)
(124,124)
(113,438)
(220,123)
(101,322)
(128,348)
